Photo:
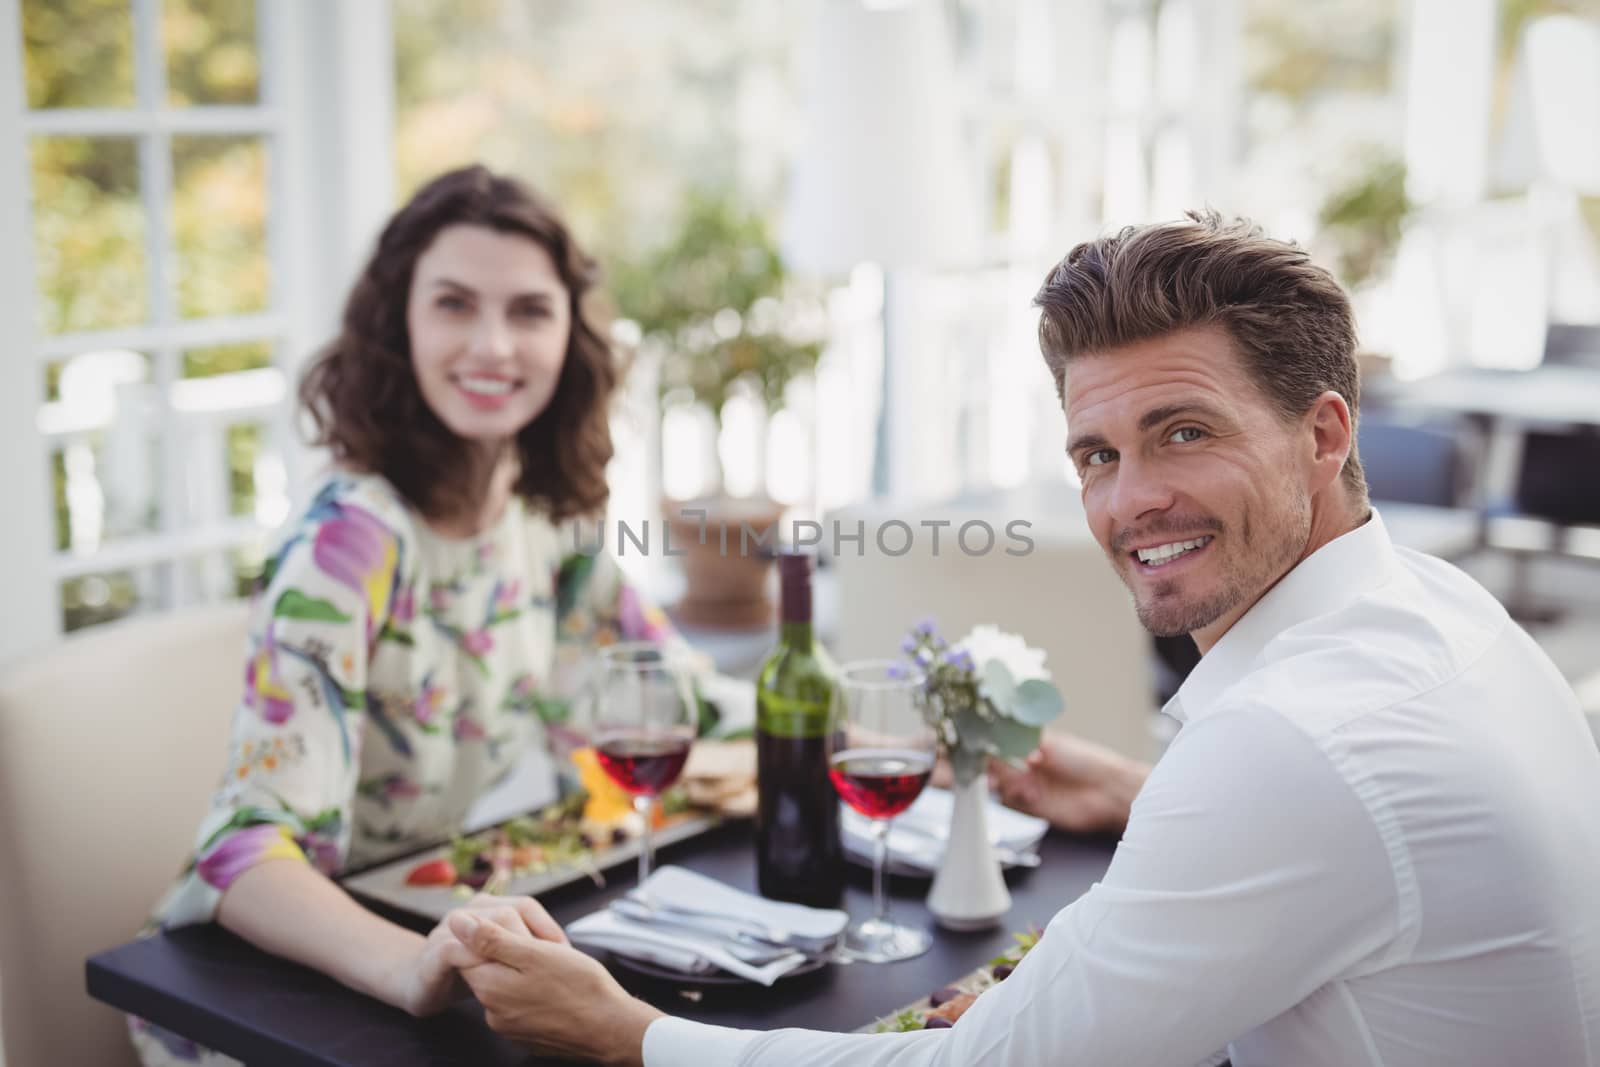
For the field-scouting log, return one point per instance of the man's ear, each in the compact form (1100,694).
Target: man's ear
(1332,438)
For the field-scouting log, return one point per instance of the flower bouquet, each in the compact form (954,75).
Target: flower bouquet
(989,695)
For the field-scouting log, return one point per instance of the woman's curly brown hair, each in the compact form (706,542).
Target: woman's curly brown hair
(362,393)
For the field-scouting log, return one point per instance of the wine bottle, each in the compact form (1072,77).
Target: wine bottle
(799,857)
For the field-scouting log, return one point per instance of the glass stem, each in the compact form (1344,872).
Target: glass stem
(880,859)
(645,804)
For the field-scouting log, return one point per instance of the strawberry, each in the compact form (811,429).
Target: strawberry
(433,873)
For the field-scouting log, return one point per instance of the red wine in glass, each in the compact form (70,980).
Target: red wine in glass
(643,765)
(880,783)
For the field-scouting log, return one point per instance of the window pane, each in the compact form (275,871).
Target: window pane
(226,359)
(105,460)
(219,215)
(244,451)
(88,233)
(78,53)
(247,562)
(97,598)
(257,476)
(212,56)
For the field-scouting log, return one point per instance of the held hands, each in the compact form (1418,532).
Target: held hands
(549,995)
(1076,784)
(429,982)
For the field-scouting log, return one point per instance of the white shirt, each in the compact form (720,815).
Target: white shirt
(1375,841)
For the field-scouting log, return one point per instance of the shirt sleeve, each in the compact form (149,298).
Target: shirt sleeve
(296,743)
(1250,875)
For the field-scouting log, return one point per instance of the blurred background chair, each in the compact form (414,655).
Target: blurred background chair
(1571,344)
(109,745)
(1417,474)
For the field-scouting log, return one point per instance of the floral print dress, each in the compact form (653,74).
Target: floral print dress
(393,675)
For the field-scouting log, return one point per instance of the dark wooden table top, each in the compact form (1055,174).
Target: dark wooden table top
(208,985)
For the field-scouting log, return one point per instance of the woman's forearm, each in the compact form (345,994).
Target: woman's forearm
(290,909)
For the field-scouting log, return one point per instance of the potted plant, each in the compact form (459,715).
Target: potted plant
(716,304)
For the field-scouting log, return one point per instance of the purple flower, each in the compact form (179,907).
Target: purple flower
(640,620)
(926,627)
(960,659)
(404,609)
(477,642)
(398,786)
(439,598)
(243,849)
(505,596)
(909,646)
(895,670)
(357,551)
(427,703)
(466,729)
(322,851)
(263,688)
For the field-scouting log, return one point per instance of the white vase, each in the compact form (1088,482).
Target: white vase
(969,892)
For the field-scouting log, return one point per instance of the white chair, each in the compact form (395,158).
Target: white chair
(1061,597)
(110,744)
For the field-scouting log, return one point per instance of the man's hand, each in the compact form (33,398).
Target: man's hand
(428,982)
(1076,784)
(550,995)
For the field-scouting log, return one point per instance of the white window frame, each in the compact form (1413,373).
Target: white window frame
(325,116)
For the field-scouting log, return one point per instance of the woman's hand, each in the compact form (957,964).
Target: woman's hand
(553,997)
(430,982)
(1076,784)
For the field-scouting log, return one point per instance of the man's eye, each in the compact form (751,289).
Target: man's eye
(1099,457)
(451,303)
(1186,434)
(531,311)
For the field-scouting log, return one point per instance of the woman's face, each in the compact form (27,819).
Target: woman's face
(488,318)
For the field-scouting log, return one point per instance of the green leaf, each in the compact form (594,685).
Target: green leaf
(1014,740)
(969,758)
(398,636)
(294,604)
(997,684)
(1037,702)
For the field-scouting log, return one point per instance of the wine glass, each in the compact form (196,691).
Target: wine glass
(881,749)
(645,719)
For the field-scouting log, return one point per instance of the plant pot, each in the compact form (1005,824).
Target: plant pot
(969,892)
(725,576)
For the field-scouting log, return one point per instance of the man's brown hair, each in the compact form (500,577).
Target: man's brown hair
(1286,316)
(362,393)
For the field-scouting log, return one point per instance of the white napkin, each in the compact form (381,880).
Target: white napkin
(917,835)
(681,950)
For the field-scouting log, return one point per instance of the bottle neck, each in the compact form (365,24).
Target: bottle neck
(796,634)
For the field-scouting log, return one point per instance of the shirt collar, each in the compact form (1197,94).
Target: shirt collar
(1329,578)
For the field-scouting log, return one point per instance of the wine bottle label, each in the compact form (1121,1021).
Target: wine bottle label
(783,716)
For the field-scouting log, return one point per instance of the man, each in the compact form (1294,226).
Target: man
(1375,840)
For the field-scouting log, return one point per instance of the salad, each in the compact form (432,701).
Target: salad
(941,1008)
(564,835)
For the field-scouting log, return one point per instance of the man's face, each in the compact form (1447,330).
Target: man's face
(1196,488)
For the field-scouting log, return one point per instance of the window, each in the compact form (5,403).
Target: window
(194,180)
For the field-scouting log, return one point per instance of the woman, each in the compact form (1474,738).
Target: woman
(416,621)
